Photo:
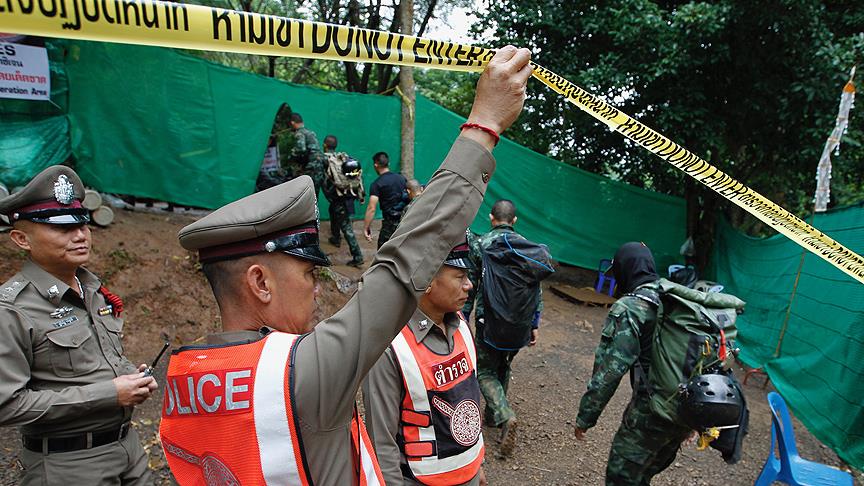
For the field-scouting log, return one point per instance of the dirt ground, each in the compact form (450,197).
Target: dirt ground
(166,297)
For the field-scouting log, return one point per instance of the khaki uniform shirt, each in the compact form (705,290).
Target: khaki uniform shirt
(58,356)
(332,361)
(384,390)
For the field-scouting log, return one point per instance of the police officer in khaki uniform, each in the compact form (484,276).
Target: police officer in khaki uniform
(263,251)
(63,376)
(435,338)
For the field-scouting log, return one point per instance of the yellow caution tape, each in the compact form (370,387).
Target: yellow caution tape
(156,23)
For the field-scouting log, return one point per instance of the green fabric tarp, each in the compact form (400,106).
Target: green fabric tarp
(818,369)
(158,123)
(581,216)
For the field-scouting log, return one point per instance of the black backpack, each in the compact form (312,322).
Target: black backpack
(513,268)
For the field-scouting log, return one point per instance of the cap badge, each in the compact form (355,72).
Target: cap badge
(64,191)
(270,247)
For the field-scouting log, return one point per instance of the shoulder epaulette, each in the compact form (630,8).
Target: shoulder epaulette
(10,290)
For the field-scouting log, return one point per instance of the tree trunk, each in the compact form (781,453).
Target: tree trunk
(406,85)
(706,205)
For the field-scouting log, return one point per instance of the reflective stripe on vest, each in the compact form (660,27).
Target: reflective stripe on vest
(447,450)
(228,418)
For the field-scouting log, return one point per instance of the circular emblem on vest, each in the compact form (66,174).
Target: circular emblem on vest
(464,420)
(216,473)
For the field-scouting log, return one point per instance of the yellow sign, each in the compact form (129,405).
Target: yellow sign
(156,23)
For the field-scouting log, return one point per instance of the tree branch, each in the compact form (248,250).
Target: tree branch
(298,76)
(426,18)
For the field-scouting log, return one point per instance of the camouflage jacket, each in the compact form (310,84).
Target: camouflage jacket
(625,339)
(306,148)
(476,245)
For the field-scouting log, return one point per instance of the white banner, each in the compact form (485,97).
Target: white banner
(24,72)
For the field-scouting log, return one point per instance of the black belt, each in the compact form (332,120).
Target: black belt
(77,442)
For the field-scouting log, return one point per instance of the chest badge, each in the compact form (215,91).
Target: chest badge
(464,420)
(61,312)
(104,311)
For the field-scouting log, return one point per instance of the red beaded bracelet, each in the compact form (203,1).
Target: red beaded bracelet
(481,127)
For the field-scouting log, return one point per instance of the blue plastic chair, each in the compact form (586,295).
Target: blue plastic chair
(790,468)
(602,277)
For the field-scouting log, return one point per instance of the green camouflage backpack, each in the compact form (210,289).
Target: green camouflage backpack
(693,336)
(343,173)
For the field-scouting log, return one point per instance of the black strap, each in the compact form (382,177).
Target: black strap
(86,440)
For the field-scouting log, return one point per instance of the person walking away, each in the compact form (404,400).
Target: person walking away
(506,272)
(306,153)
(343,184)
(655,424)
(390,190)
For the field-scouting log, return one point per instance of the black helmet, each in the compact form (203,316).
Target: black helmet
(711,400)
(351,167)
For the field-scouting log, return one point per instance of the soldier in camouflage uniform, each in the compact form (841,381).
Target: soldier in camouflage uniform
(493,365)
(341,209)
(305,156)
(645,444)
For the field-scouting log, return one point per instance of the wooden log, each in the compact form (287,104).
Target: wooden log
(102,216)
(92,199)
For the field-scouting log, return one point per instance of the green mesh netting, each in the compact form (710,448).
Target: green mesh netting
(818,365)
(157,123)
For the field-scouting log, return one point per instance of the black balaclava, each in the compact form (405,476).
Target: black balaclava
(633,266)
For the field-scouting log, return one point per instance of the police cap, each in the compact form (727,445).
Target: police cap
(53,197)
(282,218)
(458,256)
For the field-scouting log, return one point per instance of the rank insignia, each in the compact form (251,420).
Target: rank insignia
(64,191)
(104,311)
(61,312)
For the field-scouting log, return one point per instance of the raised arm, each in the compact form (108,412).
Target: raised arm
(335,358)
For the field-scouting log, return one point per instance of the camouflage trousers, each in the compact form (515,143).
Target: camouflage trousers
(493,373)
(388,227)
(644,446)
(340,224)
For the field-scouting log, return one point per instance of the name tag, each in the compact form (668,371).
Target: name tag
(450,370)
(64,322)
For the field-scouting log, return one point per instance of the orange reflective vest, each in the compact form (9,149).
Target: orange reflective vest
(441,430)
(228,418)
